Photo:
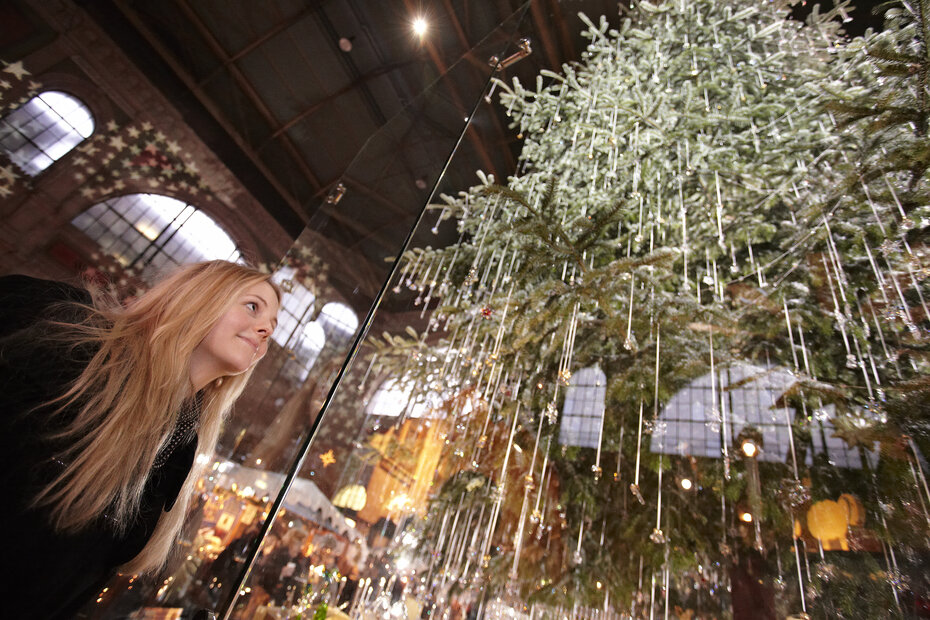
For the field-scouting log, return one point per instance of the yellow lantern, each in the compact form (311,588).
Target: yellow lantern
(826,521)
(855,512)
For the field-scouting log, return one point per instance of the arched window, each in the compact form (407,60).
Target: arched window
(692,423)
(394,398)
(583,412)
(296,307)
(40,132)
(151,233)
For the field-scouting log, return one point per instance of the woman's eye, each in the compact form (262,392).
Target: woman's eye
(252,306)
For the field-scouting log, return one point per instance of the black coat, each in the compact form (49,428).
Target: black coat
(46,574)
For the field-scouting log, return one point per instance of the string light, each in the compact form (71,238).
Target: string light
(686,484)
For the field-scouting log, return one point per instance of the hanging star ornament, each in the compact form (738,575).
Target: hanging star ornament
(327,458)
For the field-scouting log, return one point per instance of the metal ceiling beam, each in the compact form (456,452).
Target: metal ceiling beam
(565,37)
(463,41)
(454,95)
(275,30)
(207,102)
(243,82)
(545,35)
(342,91)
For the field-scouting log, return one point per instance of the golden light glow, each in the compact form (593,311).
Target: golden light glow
(327,458)
(749,448)
(420,27)
(745,517)
(686,484)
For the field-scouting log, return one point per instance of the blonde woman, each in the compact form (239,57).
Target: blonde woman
(102,410)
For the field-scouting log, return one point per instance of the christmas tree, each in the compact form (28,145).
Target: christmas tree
(680,350)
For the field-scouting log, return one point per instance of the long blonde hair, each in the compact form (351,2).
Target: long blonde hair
(128,399)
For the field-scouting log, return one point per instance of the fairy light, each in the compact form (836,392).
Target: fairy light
(420,26)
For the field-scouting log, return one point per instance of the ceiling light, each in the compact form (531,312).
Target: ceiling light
(345,44)
(420,26)
(686,484)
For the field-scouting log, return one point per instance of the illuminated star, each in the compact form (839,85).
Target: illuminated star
(327,458)
(17,69)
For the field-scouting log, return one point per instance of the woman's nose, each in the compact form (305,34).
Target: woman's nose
(264,328)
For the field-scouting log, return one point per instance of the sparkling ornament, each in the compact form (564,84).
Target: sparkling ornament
(576,558)
(890,247)
(793,494)
(487,312)
(714,420)
(657,537)
(634,489)
(564,376)
(629,343)
(597,471)
(552,414)
(826,571)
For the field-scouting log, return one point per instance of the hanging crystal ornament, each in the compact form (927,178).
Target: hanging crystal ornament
(719,211)
(634,486)
(657,536)
(619,455)
(371,363)
(576,556)
(717,415)
(537,516)
(596,468)
(629,343)
(920,472)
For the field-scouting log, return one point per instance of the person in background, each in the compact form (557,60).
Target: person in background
(104,407)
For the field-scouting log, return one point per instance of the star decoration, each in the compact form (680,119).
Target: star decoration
(17,69)
(112,126)
(7,174)
(327,458)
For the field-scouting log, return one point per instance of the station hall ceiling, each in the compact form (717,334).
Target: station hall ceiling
(288,92)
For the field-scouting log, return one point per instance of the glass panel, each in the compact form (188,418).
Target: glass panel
(313,543)
(668,370)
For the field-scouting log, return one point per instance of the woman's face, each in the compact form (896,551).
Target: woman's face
(239,338)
